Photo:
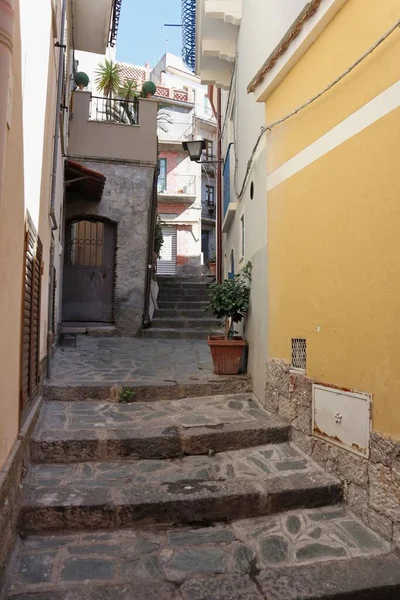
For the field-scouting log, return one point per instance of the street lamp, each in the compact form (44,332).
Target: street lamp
(195,149)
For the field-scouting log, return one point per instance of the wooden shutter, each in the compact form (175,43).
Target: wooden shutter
(31,315)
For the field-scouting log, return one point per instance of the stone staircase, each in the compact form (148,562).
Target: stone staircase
(181,313)
(197,498)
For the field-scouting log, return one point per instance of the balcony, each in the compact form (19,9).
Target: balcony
(208,211)
(100,129)
(94,24)
(174,133)
(217,24)
(179,188)
(114,111)
(172,94)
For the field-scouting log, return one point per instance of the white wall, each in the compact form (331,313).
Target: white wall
(266,22)
(35,48)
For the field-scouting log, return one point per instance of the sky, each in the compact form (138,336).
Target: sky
(140,34)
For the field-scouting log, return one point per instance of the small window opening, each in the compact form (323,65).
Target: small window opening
(252,190)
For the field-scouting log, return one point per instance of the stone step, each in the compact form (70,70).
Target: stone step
(191,286)
(190,313)
(317,554)
(203,323)
(171,334)
(173,279)
(182,297)
(178,305)
(76,432)
(230,485)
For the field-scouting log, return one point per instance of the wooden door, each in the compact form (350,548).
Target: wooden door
(166,264)
(89,270)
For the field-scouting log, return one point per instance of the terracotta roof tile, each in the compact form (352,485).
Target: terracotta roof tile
(132,72)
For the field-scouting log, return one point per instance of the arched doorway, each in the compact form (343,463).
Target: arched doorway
(89,270)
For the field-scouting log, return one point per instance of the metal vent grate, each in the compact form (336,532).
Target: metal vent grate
(299,354)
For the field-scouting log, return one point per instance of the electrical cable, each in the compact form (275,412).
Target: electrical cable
(310,101)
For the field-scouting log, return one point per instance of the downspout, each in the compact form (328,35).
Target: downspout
(7,18)
(60,82)
(146,321)
(219,186)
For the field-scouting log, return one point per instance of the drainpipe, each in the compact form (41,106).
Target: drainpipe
(219,187)
(146,321)
(60,82)
(6,47)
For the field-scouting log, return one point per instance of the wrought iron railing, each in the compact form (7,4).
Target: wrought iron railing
(173,184)
(114,110)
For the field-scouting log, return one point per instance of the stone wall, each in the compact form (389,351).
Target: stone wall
(126,201)
(372,487)
(11,477)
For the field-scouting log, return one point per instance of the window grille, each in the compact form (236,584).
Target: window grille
(299,354)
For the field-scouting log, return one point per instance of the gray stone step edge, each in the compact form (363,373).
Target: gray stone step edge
(85,445)
(186,501)
(171,390)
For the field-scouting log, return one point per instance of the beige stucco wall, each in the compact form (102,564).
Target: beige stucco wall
(99,139)
(45,224)
(11,263)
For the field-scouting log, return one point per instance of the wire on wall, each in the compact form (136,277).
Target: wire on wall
(310,101)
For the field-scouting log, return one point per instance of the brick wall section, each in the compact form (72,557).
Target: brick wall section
(171,209)
(372,487)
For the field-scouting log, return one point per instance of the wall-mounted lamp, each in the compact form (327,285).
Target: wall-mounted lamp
(195,148)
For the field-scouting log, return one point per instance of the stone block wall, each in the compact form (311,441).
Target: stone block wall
(126,201)
(11,478)
(372,487)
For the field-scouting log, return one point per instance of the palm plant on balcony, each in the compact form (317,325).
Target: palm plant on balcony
(108,81)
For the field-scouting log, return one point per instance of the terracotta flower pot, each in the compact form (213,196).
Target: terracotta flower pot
(226,354)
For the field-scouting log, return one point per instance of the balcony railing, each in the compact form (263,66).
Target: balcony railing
(175,132)
(175,185)
(166,92)
(114,110)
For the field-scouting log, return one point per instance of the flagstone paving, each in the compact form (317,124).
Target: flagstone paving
(50,563)
(129,360)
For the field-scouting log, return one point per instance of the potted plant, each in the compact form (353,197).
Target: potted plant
(229,301)
(212,263)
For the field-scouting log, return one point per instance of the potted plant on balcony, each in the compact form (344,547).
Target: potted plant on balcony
(229,301)
(212,264)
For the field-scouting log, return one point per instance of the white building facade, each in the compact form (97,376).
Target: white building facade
(187,190)
(233,38)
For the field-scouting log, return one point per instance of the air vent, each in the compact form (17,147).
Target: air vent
(299,354)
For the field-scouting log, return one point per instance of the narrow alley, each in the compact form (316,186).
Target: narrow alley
(199,283)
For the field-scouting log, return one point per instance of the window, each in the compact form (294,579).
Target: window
(242,236)
(85,244)
(162,177)
(209,149)
(210,195)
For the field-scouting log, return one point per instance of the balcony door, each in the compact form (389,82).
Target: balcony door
(89,270)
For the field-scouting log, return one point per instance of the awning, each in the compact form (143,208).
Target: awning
(84,181)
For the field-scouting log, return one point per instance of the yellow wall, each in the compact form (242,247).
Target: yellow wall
(333,228)
(11,265)
(354,29)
